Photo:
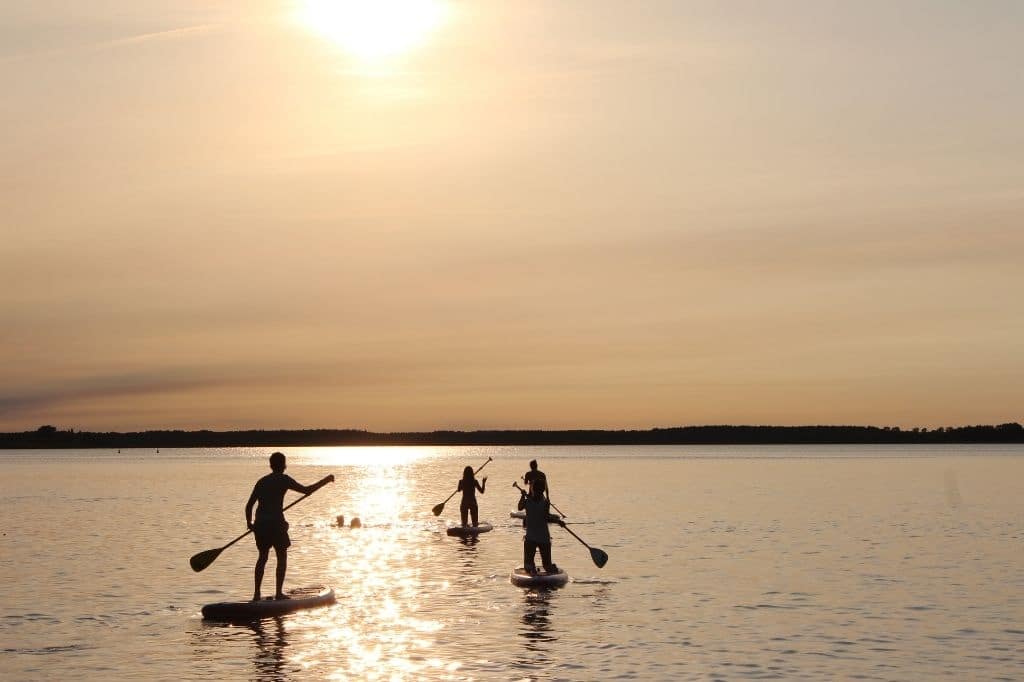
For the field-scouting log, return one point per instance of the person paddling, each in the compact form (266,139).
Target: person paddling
(538,515)
(531,477)
(534,475)
(270,527)
(468,485)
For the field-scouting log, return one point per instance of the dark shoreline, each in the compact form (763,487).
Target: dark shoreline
(49,437)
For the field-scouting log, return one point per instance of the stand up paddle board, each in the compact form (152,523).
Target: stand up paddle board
(520,515)
(243,611)
(520,577)
(468,531)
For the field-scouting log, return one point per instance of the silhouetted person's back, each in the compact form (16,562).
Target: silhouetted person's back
(270,527)
(531,477)
(468,486)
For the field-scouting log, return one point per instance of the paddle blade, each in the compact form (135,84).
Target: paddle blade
(200,561)
(599,556)
(438,508)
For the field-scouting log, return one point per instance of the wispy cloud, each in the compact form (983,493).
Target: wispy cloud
(28,401)
(157,36)
(171,34)
(183,383)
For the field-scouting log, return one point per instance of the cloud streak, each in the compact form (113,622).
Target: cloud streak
(172,382)
(141,39)
(171,34)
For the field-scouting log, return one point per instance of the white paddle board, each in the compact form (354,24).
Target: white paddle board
(469,531)
(520,577)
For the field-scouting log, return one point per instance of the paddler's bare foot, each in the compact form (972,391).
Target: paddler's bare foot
(281,596)
(256,597)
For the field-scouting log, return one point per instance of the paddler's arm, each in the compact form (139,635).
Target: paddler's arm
(310,489)
(481,487)
(248,509)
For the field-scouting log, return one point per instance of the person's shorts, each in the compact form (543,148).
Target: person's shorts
(271,534)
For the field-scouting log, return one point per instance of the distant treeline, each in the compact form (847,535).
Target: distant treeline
(52,437)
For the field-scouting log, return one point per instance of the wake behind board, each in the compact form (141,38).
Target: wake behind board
(468,531)
(520,577)
(245,611)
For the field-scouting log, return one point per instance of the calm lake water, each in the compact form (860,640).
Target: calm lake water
(886,563)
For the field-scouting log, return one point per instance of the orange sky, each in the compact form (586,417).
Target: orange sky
(510,215)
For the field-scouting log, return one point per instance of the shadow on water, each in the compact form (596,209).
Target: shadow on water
(537,633)
(468,543)
(270,638)
(467,556)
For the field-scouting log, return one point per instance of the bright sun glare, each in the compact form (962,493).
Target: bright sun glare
(374,29)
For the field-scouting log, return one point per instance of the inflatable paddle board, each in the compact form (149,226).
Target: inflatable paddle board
(244,611)
(521,578)
(520,515)
(468,531)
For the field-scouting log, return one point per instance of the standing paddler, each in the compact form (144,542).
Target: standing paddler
(270,527)
(534,475)
(538,515)
(468,485)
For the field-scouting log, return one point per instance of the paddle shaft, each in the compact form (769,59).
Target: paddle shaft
(577,537)
(202,560)
(599,556)
(282,511)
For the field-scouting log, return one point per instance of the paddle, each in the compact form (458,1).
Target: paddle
(599,556)
(438,508)
(200,561)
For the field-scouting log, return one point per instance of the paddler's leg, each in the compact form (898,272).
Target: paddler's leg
(545,557)
(475,511)
(261,563)
(464,512)
(529,552)
(282,568)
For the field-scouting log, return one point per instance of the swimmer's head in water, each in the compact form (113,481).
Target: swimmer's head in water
(277,462)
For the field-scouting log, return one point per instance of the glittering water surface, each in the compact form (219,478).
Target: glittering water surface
(726,563)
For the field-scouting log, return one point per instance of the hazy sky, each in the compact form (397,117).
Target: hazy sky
(519,214)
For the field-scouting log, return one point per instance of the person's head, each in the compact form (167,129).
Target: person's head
(537,489)
(533,464)
(467,472)
(277,462)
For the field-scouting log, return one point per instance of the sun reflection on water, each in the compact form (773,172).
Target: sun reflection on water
(378,630)
(400,582)
(364,456)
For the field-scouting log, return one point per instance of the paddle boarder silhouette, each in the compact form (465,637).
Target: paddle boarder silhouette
(531,477)
(270,527)
(534,475)
(538,515)
(468,485)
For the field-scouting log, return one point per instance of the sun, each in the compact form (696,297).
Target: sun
(374,29)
